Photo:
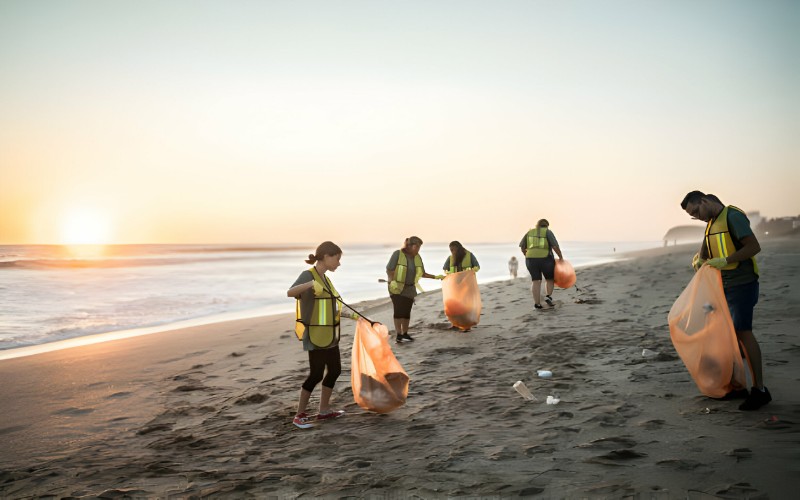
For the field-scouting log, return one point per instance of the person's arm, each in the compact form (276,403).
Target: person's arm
(703,253)
(391,267)
(750,247)
(303,283)
(298,290)
(551,239)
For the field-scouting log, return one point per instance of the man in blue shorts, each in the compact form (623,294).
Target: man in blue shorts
(731,247)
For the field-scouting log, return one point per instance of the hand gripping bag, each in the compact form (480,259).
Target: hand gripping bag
(462,299)
(702,332)
(379,382)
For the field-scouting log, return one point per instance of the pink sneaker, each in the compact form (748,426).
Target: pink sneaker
(330,415)
(302,420)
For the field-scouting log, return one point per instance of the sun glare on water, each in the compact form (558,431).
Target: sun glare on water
(85,232)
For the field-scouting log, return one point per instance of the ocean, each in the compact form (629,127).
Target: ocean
(52,293)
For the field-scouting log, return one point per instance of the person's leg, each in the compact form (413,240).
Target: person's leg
(303,404)
(333,365)
(325,399)
(549,272)
(404,322)
(316,364)
(398,306)
(741,302)
(752,353)
(536,290)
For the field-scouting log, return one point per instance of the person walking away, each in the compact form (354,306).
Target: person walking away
(318,314)
(538,246)
(730,246)
(404,270)
(513,265)
(460,259)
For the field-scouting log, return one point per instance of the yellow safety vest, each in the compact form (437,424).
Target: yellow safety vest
(719,242)
(323,329)
(402,268)
(537,244)
(465,263)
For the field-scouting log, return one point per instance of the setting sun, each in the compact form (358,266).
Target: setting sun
(85,227)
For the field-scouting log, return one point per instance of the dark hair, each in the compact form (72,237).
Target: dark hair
(542,223)
(460,251)
(693,197)
(696,196)
(324,248)
(413,240)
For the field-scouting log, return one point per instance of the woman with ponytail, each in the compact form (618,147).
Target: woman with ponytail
(319,310)
(404,270)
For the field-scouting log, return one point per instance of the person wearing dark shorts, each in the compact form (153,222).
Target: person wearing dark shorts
(319,309)
(730,246)
(538,246)
(404,270)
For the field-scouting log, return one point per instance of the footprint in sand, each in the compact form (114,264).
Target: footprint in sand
(73,412)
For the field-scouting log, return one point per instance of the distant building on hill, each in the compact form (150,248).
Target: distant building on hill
(684,234)
(779,226)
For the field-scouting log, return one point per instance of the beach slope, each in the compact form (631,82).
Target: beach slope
(206,411)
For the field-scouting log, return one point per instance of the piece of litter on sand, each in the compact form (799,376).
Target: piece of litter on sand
(522,389)
(552,401)
(544,373)
(647,353)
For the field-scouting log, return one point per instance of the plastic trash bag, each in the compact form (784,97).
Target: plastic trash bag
(564,275)
(462,299)
(702,332)
(379,382)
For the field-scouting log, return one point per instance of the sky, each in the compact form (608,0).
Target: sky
(189,121)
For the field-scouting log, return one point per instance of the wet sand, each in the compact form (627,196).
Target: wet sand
(206,411)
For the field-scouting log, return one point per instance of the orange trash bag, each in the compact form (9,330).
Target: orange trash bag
(702,332)
(564,276)
(379,382)
(462,299)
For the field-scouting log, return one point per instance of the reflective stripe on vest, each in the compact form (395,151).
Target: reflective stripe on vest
(537,244)
(465,263)
(719,242)
(323,329)
(402,268)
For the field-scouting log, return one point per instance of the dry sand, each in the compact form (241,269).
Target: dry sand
(206,411)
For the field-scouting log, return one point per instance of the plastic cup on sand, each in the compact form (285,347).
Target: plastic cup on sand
(521,388)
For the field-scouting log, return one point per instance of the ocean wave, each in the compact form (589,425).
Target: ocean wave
(112,263)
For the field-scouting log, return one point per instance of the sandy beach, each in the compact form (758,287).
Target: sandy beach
(206,411)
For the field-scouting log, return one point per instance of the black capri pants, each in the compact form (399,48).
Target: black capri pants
(318,360)
(541,266)
(402,306)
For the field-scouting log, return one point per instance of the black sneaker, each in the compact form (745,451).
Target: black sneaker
(399,339)
(538,306)
(756,399)
(408,337)
(549,300)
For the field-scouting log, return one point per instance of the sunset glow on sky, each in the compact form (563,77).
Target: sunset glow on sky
(369,121)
